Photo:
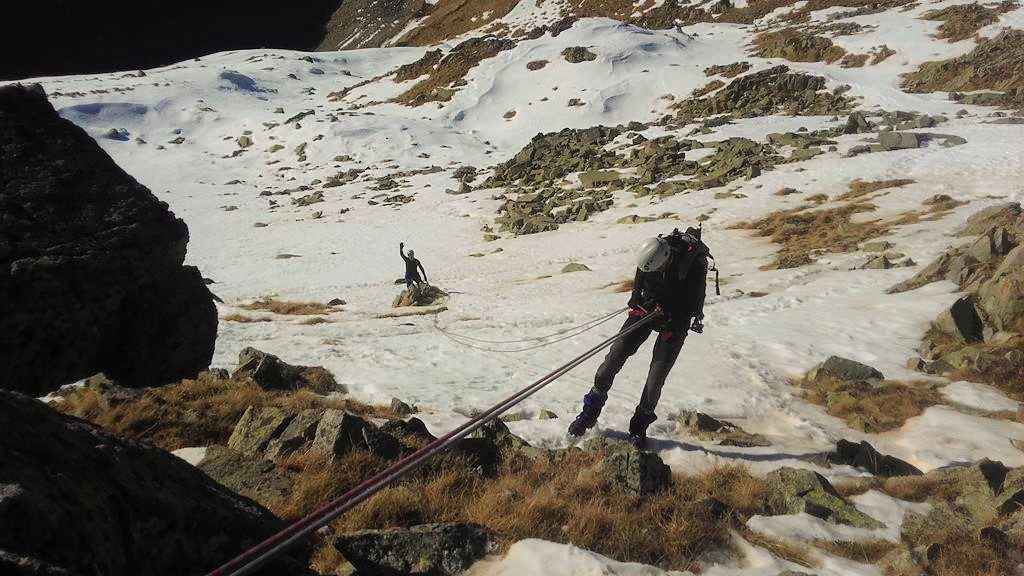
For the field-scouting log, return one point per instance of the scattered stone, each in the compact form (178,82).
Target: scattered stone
(244,141)
(545,414)
(575,267)
(898,140)
(256,428)
(252,476)
(725,433)
(577,54)
(271,373)
(401,408)
(634,471)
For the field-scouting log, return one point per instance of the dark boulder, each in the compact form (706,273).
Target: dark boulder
(425,550)
(86,501)
(90,263)
(865,456)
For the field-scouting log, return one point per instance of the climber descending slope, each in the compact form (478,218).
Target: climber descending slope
(670,281)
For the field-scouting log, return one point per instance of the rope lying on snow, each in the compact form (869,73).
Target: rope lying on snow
(576,331)
(300,529)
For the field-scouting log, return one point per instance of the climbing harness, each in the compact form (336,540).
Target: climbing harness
(276,544)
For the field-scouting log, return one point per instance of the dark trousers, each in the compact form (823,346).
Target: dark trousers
(666,350)
(410,280)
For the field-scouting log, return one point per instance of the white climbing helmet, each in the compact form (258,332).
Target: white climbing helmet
(412,253)
(653,254)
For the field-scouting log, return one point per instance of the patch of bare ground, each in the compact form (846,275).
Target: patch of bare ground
(425,65)
(796,45)
(314,321)
(200,412)
(448,73)
(727,70)
(795,552)
(861,188)
(707,88)
(865,552)
(286,308)
(802,231)
(963,21)
(453,18)
(870,407)
(243,319)
(881,54)
(620,286)
(994,64)
(559,498)
(998,364)
(854,60)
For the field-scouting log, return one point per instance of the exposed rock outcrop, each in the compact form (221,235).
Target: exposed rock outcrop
(792,491)
(81,499)
(419,295)
(90,263)
(424,550)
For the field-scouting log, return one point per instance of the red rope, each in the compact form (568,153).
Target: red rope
(263,552)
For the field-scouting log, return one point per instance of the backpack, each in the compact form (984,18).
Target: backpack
(694,266)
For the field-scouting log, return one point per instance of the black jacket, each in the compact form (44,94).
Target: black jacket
(680,288)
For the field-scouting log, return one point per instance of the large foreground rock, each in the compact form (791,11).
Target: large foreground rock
(90,263)
(425,550)
(81,499)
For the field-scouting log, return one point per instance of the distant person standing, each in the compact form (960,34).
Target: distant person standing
(412,267)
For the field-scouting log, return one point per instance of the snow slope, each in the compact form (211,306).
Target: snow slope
(737,369)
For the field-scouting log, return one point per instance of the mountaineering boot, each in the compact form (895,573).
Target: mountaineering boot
(638,428)
(593,402)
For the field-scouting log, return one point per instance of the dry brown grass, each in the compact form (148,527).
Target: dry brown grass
(236,317)
(796,46)
(621,286)
(801,231)
(960,553)
(199,412)
(288,308)
(881,55)
(794,552)
(854,60)
(561,500)
(867,407)
(963,21)
(912,488)
(866,552)
(860,188)
(454,18)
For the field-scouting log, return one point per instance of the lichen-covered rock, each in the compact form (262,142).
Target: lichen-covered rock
(631,470)
(246,474)
(898,140)
(90,263)
(257,427)
(961,321)
(86,501)
(793,491)
(575,267)
(577,54)
(296,436)
(424,550)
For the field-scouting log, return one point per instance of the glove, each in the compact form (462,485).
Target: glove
(401,244)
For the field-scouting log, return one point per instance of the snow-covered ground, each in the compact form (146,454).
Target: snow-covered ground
(737,369)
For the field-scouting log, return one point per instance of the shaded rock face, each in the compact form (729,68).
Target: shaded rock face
(81,32)
(81,499)
(90,263)
(425,550)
